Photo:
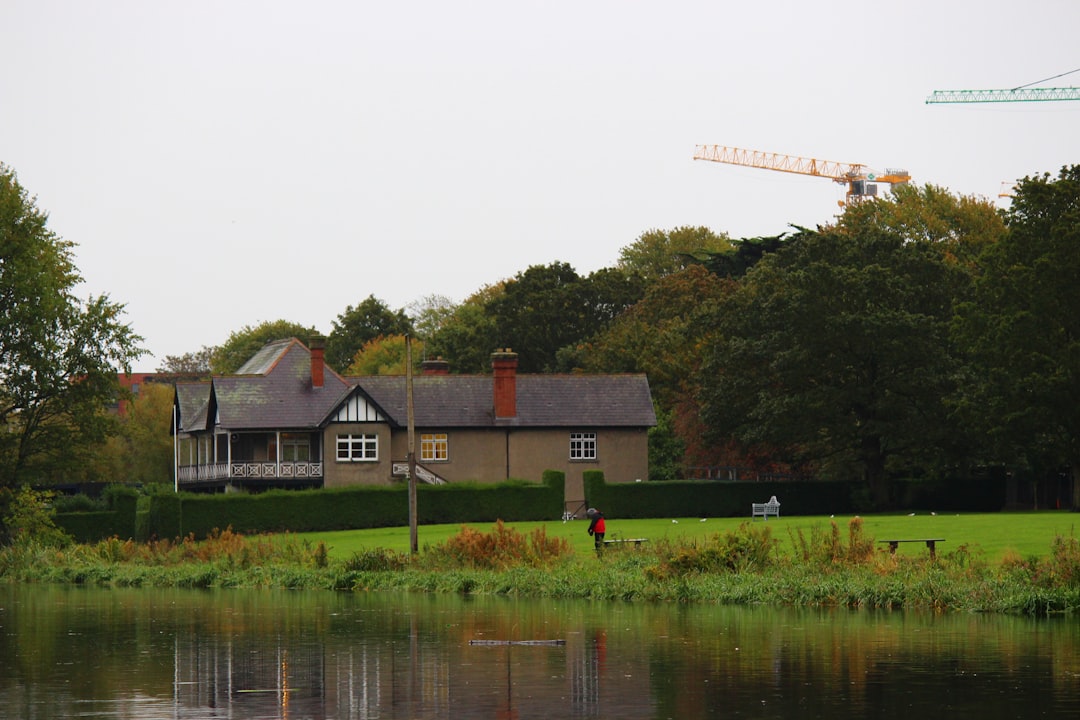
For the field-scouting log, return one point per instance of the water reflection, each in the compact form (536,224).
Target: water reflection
(83,652)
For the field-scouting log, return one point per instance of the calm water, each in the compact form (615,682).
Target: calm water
(92,653)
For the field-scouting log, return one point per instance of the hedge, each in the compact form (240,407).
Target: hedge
(178,515)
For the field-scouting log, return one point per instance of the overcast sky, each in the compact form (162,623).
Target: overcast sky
(222,163)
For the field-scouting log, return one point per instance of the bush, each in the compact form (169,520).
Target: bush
(748,548)
(502,548)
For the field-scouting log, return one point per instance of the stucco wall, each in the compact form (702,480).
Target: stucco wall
(481,455)
(339,474)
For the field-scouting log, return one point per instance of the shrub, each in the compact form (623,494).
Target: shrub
(750,547)
(502,548)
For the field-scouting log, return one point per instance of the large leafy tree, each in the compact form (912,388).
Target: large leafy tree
(657,253)
(245,342)
(467,337)
(835,351)
(370,319)
(549,307)
(59,355)
(1023,327)
(663,336)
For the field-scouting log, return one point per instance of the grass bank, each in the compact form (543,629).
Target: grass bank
(793,561)
(991,535)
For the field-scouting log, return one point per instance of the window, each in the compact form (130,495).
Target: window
(295,447)
(357,448)
(433,447)
(582,446)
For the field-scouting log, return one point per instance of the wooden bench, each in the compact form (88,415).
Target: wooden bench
(930,543)
(765,509)
(622,541)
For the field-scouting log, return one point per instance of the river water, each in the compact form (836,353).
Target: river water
(72,652)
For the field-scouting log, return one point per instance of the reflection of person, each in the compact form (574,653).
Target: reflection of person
(596,527)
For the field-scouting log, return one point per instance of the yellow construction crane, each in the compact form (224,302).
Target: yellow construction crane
(860,179)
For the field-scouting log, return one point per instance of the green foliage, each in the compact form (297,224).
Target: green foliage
(141,450)
(58,354)
(194,364)
(826,548)
(385,355)
(248,340)
(29,519)
(658,253)
(177,515)
(835,351)
(467,337)
(750,548)
(376,560)
(666,448)
(358,326)
(1022,328)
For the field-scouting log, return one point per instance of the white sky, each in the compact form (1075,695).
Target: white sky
(223,163)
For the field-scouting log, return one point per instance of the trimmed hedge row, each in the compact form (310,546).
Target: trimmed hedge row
(733,499)
(176,515)
(119,520)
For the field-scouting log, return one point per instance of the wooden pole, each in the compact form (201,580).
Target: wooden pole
(413,540)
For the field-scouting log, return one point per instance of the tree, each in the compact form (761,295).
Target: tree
(141,451)
(468,336)
(658,253)
(1023,329)
(835,351)
(59,356)
(245,342)
(663,336)
(370,319)
(429,314)
(195,363)
(385,356)
(549,307)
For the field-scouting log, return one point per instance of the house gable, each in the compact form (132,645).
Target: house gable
(357,407)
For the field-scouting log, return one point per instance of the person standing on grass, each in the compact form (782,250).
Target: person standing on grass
(596,527)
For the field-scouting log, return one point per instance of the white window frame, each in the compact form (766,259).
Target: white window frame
(357,447)
(430,446)
(583,446)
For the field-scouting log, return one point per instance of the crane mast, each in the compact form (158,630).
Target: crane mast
(857,177)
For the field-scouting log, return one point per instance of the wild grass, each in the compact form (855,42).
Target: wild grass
(824,563)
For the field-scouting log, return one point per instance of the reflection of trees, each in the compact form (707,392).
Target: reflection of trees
(327,655)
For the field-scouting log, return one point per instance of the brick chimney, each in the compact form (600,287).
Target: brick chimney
(438,366)
(504,363)
(318,363)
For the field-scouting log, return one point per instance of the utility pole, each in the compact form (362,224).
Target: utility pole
(413,541)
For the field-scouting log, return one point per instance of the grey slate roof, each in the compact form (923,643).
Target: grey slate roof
(273,391)
(192,400)
(542,400)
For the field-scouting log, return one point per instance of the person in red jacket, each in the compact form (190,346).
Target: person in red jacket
(596,527)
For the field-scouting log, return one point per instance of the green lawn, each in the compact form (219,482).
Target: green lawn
(1028,534)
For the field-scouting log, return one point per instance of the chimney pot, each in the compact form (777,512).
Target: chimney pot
(436,366)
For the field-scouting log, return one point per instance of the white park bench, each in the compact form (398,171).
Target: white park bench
(765,509)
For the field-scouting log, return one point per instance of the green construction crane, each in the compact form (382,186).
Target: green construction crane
(998,96)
